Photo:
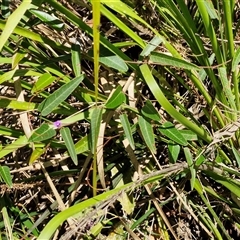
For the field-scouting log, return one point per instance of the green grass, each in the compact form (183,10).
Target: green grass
(124,120)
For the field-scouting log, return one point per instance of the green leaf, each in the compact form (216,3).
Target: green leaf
(237,155)
(166,60)
(188,135)
(147,133)
(127,129)
(53,100)
(173,151)
(52,21)
(111,60)
(152,45)
(189,159)
(67,138)
(150,112)
(20,142)
(82,145)
(169,130)
(5,175)
(76,59)
(227,87)
(115,99)
(13,21)
(95,127)
(37,153)
(44,132)
(236,60)
(45,80)
(17,58)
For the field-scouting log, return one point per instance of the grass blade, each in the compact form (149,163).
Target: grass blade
(66,135)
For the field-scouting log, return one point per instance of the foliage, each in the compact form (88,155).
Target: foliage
(125,121)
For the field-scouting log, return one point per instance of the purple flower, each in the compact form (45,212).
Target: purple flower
(57,124)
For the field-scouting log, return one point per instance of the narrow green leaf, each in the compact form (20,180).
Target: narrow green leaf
(36,154)
(236,60)
(173,151)
(53,100)
(166,60)
(13,21)
(17,58)
(169,130)
(20,142)
(56,221)
(44,132)
(52,21)
(45,80)
(150,112)
(127,129)
(151,46)
(6,175)
(189,159)
(211,10)
(237,155)
(164,102)
(116,99)
(227,87)
(95,127)
(147,133)
(66,135)
(76,59)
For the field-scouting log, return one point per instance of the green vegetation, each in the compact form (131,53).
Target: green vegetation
(119,119)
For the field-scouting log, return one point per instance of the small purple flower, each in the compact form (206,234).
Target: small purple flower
(57,124)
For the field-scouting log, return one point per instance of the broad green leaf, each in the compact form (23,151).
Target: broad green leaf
(147,133)
(150,112)
(188,135)
(67,138)
(236,60)
(96,119)
(115,99)
(53,100)
(152,45)
(82,145)
(189,159)
(13,21)
(237,155)
(20,142)
(44,132)
(76,59)
(5,175)
(199,159)
(50,20)
(111,60)
(173,151)
(169,130)
(45,80)
(127,129)
(36,154)
(166,60)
